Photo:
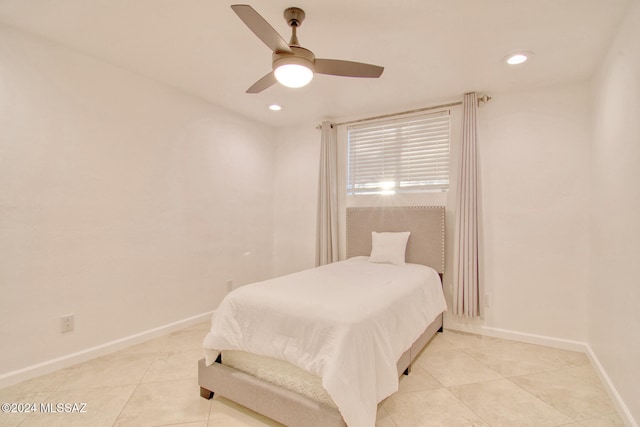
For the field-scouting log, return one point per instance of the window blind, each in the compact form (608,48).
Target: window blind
(407,154)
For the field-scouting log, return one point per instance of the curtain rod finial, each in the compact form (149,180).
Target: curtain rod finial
(484,98)
(319,127)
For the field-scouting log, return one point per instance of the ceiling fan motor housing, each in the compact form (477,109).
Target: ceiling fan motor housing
(300,56)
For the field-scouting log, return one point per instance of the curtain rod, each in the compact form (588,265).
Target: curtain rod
(484,98)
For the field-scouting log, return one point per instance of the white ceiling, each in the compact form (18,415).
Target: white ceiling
(431,49)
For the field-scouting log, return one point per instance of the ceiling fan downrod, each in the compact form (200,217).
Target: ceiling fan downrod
(294,17)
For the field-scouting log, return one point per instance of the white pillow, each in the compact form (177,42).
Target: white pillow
(389,247)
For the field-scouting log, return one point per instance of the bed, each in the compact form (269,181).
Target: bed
(331,368)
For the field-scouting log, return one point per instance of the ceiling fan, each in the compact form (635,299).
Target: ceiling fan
(293,65)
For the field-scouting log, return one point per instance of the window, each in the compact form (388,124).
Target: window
(408,154)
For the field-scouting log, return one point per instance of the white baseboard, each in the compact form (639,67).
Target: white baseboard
(29,372)
(563,344)
(623,411)
(519,336)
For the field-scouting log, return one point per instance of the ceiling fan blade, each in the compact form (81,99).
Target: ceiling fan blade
(261,28)
(337,67)
(265,82)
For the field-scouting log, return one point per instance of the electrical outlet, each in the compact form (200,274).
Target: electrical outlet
(66,323)
(229,285)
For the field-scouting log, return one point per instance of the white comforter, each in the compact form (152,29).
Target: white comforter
(347,322)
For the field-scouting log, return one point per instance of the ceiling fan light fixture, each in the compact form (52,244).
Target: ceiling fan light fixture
(294,70)
(293,75)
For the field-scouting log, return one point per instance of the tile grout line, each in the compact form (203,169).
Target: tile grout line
(467,406)
(136,387)
(540,398)
(507,378)
(614,412)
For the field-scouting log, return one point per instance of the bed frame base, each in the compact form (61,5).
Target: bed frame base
(280,404)
(277,403)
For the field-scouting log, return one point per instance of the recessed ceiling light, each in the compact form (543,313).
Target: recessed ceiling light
(518,58)
(275,107)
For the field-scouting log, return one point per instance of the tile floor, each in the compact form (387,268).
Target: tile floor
(459,380)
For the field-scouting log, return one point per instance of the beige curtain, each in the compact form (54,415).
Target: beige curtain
(327,218)
(466,301)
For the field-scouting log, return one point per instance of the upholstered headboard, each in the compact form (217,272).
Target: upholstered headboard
(426,224)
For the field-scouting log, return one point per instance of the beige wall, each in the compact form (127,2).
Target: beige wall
(534,162)
(295,198)
(614,292)
(122,201)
